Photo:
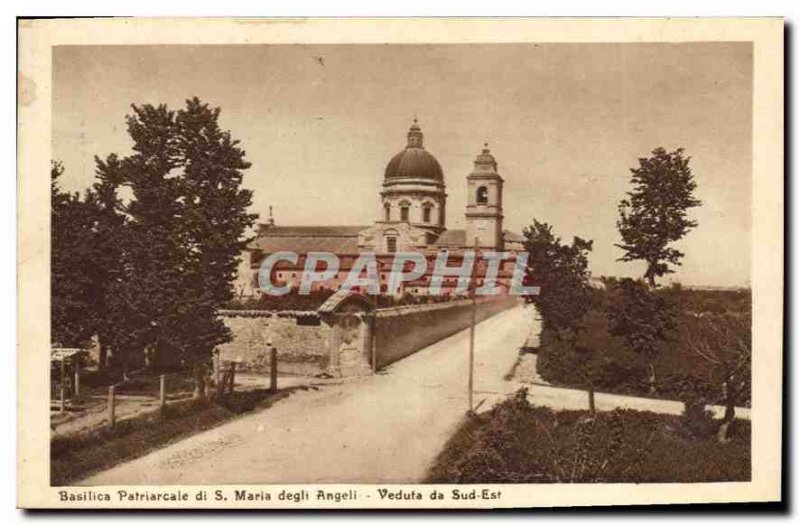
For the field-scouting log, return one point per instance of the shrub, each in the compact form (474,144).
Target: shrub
(519,443)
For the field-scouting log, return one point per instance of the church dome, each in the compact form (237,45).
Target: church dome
(414,162)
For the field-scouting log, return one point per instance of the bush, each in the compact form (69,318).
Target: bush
(519,443)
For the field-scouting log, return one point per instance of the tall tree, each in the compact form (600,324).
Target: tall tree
(107,258)
(564,300)
(145,301)
(186,224)
(654,214)
(72,312)
(214,223)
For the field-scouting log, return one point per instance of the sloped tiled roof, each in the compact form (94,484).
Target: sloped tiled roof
(342,240)
(458,238)
(452,238)
(304,239)
(510,236)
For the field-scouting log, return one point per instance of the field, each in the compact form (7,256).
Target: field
(707,324)
(519,443)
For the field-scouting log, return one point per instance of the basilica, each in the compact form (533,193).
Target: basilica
(413,201)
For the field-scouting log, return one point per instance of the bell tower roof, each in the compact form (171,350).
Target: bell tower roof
(485,163)
(485,158)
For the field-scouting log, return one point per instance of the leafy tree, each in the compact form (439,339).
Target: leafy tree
(144,301)
(654,214)
(564,300)
(580,355)
(106,265)
(644,318)
(561,272)
(184,231)
(213,225)
(72,311)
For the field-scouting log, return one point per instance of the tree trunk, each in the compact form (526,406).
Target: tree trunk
(199,372)
(592,408)
(723,435)
(102,358)
(650,274)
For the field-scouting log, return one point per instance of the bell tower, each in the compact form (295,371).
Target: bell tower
(484,214)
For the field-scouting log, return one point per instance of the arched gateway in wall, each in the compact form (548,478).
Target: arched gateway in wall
(350,315)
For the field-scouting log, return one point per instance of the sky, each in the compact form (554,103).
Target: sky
(566,122)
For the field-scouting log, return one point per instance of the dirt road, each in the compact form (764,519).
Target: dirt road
(387,428)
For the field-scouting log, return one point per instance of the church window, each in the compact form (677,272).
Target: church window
(483,195)
(387,212)
(391,244)
(404,212)
(426,212)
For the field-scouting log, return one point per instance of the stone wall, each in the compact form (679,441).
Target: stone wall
(404,330)
(302,348)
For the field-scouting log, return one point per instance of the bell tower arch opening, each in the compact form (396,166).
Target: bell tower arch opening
(484,212)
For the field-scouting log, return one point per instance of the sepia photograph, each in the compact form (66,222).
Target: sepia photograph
(436,273)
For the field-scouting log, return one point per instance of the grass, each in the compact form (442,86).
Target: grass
(77,456)
(518,443)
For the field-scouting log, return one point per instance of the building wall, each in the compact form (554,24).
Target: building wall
(404,330)
(302,350)
(305,350)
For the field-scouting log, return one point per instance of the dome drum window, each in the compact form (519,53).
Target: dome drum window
(427,210)
(405,207)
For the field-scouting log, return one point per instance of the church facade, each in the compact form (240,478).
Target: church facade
(413,203)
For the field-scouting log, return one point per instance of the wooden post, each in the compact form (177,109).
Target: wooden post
(77,392)
(217,371)
(374,335)
(111,406)
(472,334)
(233,376)
(162,390)
(273,369)
(63,404)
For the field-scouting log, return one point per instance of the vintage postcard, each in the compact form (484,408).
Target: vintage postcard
(399,263)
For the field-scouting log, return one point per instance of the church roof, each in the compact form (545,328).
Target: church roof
(458,238)
(414,163)
(510,236)
(452,238)
(304,239)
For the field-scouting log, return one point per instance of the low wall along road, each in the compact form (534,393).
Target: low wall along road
(306,344)
(404,330)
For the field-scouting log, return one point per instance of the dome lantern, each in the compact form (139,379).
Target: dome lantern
(415,136)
